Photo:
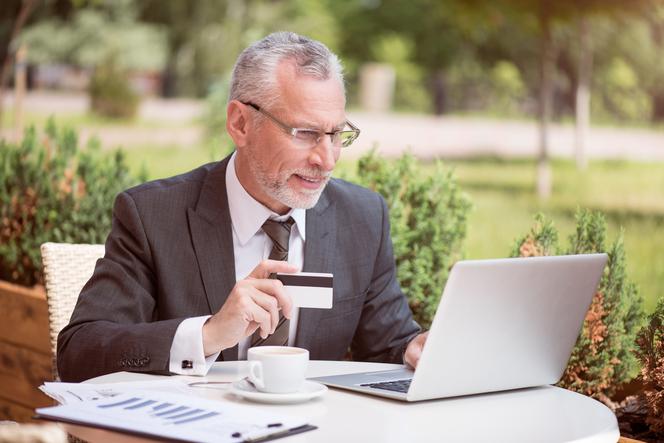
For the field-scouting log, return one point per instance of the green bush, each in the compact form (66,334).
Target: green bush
(619,94)
(651,355)
(508,91)
(428,216)
(51,191)
(110,92)
(603,357)
(498,90)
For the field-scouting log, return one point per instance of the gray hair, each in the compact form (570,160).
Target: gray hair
(254,74)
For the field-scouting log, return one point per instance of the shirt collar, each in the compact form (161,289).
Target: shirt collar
(247,214)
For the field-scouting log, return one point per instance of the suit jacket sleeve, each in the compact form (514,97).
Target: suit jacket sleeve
(114,326)
(386,324)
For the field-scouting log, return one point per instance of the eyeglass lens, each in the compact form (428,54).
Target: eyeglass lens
(310,138)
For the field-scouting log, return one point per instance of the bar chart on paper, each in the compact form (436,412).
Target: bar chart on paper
(174,416)
(164,412)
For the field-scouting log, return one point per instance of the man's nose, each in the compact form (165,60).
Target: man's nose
(324,154)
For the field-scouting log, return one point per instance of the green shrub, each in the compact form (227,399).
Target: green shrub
(51,191)
(651,355)
(603,357)
(428,215)
(619,94)
(110,92)
(508,91)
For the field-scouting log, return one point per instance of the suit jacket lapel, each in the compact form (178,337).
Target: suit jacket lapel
(318,257)
(211,232)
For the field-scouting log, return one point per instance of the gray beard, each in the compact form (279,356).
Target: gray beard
(276,186)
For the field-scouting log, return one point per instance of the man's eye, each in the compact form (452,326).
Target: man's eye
(307,135)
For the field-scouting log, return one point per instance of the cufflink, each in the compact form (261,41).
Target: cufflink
(187,364)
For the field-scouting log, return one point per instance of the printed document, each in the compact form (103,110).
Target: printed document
(176,417)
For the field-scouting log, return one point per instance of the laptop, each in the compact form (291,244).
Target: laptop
(501,324)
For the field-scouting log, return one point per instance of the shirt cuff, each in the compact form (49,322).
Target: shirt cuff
(187,356)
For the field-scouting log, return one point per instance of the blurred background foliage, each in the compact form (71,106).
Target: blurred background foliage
(449,55)
(91,36)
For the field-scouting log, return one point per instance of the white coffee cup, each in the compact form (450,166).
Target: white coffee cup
(277,369)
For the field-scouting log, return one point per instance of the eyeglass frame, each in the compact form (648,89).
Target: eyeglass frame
(293,131)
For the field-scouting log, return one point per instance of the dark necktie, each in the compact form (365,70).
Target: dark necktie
(279,233)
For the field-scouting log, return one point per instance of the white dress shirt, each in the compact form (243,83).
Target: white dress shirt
(250,245)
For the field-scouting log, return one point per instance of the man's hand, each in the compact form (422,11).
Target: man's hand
(414,349)
(254,303)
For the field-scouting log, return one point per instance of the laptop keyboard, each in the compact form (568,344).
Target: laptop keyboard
(396,385)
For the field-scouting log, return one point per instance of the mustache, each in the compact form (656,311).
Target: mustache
(311,173)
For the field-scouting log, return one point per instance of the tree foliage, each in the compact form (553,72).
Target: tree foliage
(205,36)
(111,94)
(91,35)
(449,55)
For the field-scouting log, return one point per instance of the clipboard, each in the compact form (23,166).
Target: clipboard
(273,436)
(177,417)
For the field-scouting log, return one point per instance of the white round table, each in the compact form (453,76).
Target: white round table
(543,414)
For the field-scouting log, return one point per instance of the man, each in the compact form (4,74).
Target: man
(185,278)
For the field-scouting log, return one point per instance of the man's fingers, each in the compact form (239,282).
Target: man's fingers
(414,349)
(275,288)
(251,328)
(257,314)
(412,356)
(269,304)
(267,267)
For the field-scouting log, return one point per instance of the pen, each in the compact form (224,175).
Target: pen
(267,437)
(271,425)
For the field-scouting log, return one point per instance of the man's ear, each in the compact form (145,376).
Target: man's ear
(237,125)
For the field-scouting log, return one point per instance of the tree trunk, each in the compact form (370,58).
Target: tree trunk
(547,65)
(27,7)
(583,93)
(658,107)
(439,92)
(169,77)
(20,82)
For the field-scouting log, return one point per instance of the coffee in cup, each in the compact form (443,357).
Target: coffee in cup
(277,369)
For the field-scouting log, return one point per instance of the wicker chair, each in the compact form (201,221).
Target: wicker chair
(67,267)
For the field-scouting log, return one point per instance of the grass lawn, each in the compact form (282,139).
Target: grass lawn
(161,161)
(630,194)
(92,121)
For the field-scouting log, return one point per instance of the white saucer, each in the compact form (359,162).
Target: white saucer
(309,390)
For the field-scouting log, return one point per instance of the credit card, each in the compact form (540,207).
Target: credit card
(308,289)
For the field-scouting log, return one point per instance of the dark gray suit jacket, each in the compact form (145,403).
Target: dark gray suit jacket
(169,256)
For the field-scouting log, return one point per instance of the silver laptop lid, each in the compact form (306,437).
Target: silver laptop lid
(506,324)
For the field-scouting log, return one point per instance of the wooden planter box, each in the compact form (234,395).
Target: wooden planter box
(25,351)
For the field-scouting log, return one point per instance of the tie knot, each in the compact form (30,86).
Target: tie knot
(279,233)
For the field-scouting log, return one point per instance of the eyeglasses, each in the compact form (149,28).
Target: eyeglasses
(306,138)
